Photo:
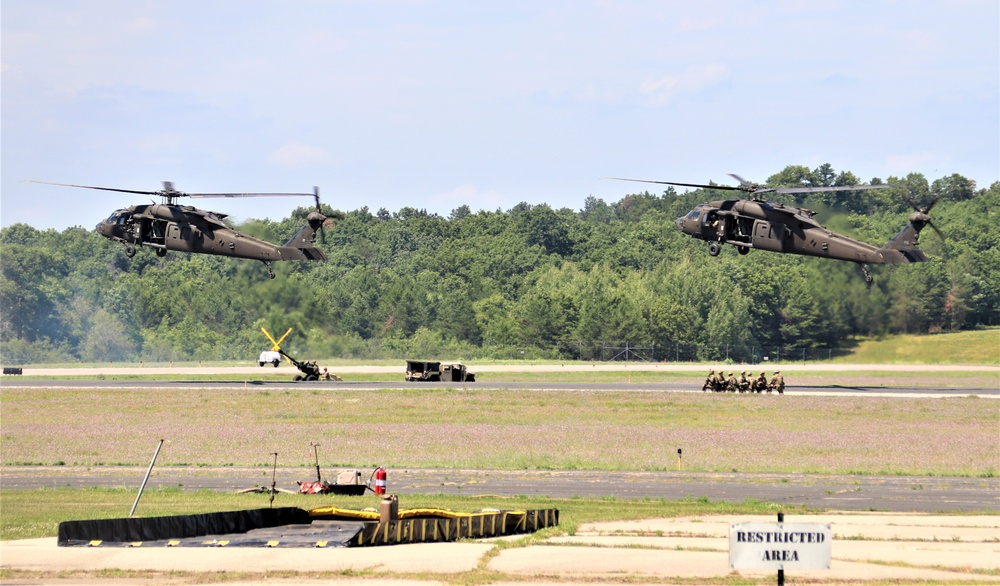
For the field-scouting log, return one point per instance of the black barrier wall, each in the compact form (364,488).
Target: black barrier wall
(177,527)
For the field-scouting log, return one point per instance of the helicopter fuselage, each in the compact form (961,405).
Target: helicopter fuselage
(749,224)
(168,226)
(164,227)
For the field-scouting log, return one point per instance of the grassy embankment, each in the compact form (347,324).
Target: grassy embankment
(971,347)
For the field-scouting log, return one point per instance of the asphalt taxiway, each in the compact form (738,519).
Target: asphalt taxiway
(818,491)
(901,391)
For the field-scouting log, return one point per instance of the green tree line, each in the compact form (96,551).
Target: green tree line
(531,281)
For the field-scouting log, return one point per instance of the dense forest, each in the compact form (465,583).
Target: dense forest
(528,282)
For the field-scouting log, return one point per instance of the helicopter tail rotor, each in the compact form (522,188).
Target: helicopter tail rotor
(322,225)
(921,215)
(903,248)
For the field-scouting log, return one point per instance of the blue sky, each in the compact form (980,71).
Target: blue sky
(438,104)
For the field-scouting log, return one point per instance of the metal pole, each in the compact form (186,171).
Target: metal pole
(144,480)
(781,571)
(274,481)
(316,453)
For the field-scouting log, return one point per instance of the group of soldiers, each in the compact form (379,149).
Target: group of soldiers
(719,384)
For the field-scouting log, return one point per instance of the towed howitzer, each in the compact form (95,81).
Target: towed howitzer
(309,368)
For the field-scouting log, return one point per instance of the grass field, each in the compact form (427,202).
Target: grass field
(505,429)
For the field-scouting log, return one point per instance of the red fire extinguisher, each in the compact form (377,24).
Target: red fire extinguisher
(380,480)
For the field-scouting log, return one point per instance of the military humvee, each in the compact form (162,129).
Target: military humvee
(419,370)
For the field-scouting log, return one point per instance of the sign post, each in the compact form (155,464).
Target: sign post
(780,546)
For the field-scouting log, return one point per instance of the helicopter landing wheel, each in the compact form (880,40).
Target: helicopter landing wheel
(743,249)
(129,250)
(270,273)
(714,248)
(161,252)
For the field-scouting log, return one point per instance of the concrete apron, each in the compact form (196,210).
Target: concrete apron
(865,547)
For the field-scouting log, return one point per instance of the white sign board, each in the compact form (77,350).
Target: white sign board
(780,546)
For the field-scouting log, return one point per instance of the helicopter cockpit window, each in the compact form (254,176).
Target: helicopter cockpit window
(113,218)
(693,214)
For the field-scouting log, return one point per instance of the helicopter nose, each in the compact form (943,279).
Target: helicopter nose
(680,222)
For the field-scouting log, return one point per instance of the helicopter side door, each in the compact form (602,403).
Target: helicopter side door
(739,229)
(175,239)
(767,236)
(153,231)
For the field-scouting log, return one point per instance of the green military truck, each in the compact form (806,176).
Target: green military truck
(422,370)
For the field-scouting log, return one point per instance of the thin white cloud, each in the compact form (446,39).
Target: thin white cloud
(698,24)
(163,141)
(907,162)
(297,154)
(692,80)
(140,25)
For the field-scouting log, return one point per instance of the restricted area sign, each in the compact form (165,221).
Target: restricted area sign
(780,546)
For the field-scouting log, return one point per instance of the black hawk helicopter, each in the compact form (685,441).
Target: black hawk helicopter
(767,225)
(168,226)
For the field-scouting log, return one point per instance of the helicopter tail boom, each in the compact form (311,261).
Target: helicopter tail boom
(903,247)
(301,246)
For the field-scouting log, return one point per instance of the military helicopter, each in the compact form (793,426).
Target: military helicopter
(168,226)
(767,225)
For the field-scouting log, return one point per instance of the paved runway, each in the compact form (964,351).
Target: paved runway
(821,491)
(901,391)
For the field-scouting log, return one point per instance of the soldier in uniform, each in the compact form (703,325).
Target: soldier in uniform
(760,383)
(720,383)
(709,381)
(744,382)
(731,384)
(777,383)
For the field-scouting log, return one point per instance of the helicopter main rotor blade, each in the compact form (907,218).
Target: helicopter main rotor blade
(725,187)
(94,187)
(170,192)
(741,180)
(234,195)
(822,189)
(752,188)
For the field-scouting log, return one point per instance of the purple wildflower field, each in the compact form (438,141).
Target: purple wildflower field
(505,430)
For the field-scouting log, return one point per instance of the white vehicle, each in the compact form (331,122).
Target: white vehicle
(271,356)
